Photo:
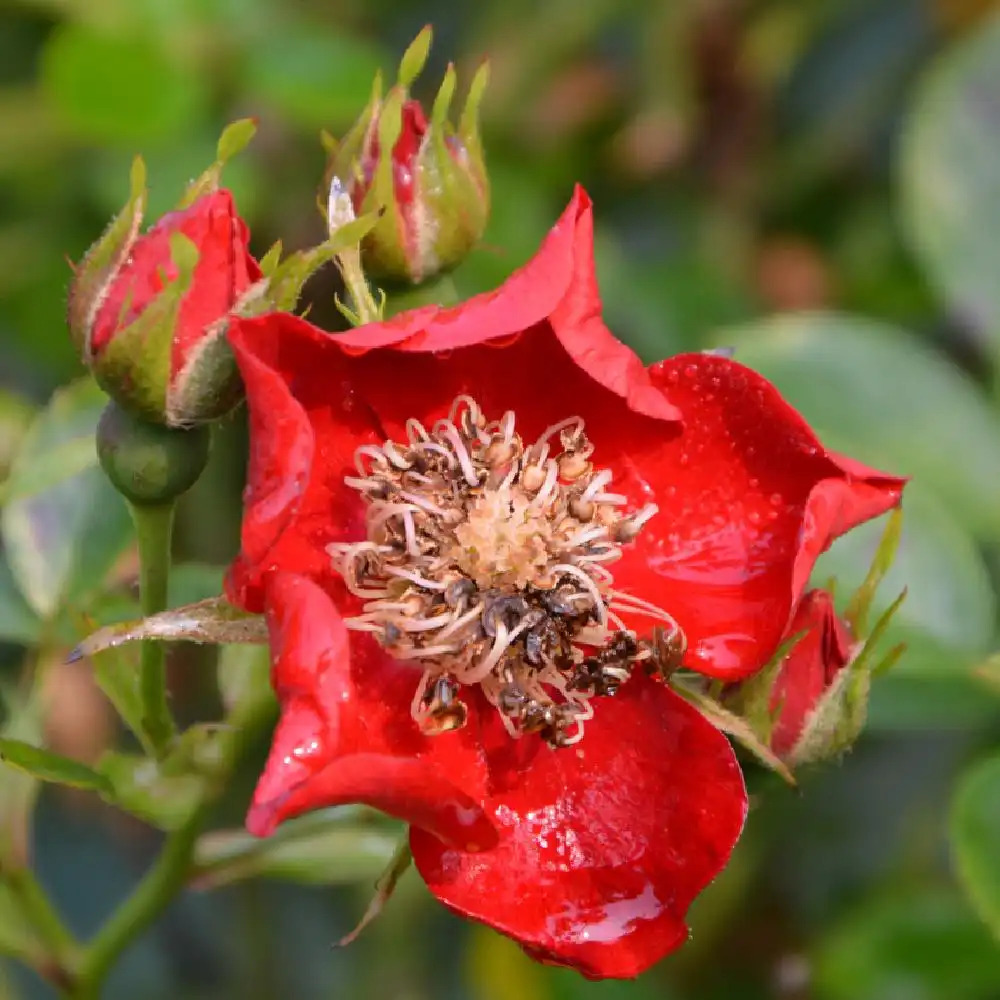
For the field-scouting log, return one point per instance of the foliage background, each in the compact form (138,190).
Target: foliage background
(816,182)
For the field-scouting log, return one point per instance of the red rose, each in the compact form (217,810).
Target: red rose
(152,333)
(479,534)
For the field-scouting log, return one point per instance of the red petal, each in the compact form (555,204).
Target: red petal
(295,502)
(346,734)
(809,668)
(604,845)
(536,345)
(224,271)
(556,288)
(748,498)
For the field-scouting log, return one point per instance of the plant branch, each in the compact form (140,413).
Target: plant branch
(154,530)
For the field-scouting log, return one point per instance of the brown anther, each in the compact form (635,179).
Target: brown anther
(461,589)
(572,466)
(667,649)
(506,608)
(445,710)
(536,716)
(476,577)
(540,640)
(511,700)
(562,718)
(582,510)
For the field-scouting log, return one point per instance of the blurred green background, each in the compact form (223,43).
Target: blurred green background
(815,182)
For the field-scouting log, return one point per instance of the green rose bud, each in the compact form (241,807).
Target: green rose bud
(426,176)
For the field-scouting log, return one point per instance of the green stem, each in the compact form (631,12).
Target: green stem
(154,530)
(366,309)
(149,899)
(61,948)
(175,864)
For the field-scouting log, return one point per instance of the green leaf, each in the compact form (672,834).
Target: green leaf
(18,623)
(385,886)
(861,601)
(63,526)
(15,417)
(48,766)
(139,787)
(214,620)
(878,394)
(16,936)
(950,174)
(116,672)
(332,853)
(235,138)
(975,838)
(18,790)
(921,945)
(116,88)
(244,675)
(415,57)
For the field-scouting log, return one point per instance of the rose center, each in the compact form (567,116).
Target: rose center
(487,561)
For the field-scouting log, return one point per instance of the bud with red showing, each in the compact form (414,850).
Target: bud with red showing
(811,703)
(149,311)
(427,177)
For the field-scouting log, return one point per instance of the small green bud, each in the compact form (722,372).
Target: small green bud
(149,463)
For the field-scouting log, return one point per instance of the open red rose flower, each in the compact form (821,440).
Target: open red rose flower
(482,537)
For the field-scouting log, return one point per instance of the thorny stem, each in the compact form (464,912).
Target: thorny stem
(154,530)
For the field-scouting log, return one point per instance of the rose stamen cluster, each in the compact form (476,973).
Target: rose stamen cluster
(487,561)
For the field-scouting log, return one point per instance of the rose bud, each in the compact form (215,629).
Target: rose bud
(426,176)
(148,312)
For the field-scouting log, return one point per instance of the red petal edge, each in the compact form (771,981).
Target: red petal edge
(603,845)
(748,498)
(346,735)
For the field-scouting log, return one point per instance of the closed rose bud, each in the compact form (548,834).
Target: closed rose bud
(426,175)
(810,703)
(149,312)
(809,671)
